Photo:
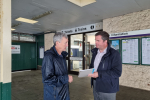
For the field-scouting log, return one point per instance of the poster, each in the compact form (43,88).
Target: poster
(115,44)
(15,49)
(146,51)
(130,51)
(41,52)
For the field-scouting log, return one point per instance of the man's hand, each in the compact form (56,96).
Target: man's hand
(70,78)
(94,75)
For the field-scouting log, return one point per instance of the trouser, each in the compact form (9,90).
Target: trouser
(101,95)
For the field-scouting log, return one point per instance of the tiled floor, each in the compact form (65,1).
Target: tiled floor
(28,86)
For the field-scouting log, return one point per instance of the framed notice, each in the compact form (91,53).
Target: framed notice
(145,54)
(41,52)
(130,51)
(15,49)
(115,44)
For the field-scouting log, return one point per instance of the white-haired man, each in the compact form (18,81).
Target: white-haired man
(54,70)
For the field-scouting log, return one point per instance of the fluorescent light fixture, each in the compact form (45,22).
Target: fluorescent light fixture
(26,20)
(82,3)
(13,29)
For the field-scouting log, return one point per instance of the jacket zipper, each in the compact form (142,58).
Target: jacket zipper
(103,63)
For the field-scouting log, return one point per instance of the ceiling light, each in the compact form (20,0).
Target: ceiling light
(82,3)
(26,20)
(33,19)
(13,29)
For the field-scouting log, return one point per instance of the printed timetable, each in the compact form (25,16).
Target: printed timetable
(145,51)
(130,51)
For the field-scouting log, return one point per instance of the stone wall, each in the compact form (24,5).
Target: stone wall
(48,40)
(136,76)
(130,22)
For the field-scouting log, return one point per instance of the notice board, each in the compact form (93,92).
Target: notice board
(130,51)
(145,56)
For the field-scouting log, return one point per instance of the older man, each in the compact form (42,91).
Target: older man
(54,70)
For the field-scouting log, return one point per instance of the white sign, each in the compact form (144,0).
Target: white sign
(87,28)
(41,52)
(130,33)
(130,51)
(146,51)
(15,49)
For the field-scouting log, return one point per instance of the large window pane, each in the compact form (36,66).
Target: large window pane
(26,37)
(14,36)
(76,65)
(76,52)
(89,45)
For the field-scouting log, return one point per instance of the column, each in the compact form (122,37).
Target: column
(5,49)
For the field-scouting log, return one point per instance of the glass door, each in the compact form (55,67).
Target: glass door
(89,45)
(76,52)
(79,49)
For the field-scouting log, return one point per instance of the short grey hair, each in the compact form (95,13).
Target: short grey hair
(58,36)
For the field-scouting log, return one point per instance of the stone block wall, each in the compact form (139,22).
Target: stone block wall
(136,76)
(130,22)
(48,40)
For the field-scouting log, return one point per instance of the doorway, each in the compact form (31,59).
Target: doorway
(79,51)
(26,58)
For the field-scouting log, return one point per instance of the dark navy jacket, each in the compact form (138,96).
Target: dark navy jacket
(55,75)
(109,71)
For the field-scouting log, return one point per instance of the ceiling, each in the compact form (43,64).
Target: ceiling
(67,15)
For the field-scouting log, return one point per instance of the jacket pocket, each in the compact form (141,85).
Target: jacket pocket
(49,92)
(104,85)
(63,92)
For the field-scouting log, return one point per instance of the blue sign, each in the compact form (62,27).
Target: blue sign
(115,42)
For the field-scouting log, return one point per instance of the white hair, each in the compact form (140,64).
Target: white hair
(58,36)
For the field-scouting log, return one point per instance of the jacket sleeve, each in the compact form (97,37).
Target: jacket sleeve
(48,73)
(116,69)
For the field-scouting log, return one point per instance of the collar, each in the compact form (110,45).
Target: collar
(107,50)
(98,51)
(56,51)
(63,54)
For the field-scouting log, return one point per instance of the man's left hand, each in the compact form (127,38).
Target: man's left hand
(70,78)
(94,75)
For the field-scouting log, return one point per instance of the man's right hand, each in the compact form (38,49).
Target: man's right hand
(70,78)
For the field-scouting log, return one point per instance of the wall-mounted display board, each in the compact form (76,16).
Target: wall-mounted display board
(115,44)
(130,51)
(15,49)
(41,52)
(145,59)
